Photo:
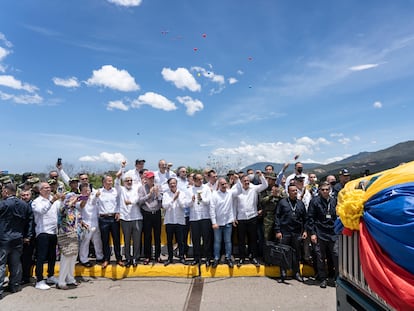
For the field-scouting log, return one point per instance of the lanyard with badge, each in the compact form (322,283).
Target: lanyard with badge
(293,208)
(328,215)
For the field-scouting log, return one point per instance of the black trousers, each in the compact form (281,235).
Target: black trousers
(177,231)
(327,250)
(152,224)
(185,234)
(46,252)
(109,226)
(201,230)
(293,240)
(10,253)
(27,260)
(247,228)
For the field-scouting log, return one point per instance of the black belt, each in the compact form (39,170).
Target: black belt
(151,212)
(106,215)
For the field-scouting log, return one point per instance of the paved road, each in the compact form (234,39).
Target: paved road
(241,293)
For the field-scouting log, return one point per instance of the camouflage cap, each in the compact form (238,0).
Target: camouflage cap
(231,172)
(51,181)
(6,180)
(271,175)
(33,180)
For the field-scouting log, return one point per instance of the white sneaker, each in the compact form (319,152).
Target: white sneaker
(51,280)
(42,285)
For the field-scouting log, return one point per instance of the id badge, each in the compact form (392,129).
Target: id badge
(328,216)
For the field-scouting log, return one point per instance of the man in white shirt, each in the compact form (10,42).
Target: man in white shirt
(45,211)
(200,221)
(162,175)
(222,218)
(131,217)
(246,216)
(89,212)
(298,172)
(108,207)
(134,173)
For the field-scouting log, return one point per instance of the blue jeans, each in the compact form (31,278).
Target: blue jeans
(10,253)
(223,232)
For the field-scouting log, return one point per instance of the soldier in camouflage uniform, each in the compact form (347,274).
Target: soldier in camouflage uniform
(268,200)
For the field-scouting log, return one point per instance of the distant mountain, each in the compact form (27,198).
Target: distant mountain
(359,164)
(278,166)
(371,162)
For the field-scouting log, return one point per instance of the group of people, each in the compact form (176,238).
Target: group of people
(250,207)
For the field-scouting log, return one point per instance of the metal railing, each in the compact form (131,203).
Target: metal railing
(350,267)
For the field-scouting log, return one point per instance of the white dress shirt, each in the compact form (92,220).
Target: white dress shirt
(221,208)
(200,209)
(128,211)
(246,203)
(45,215)
(174,210)
(108,201)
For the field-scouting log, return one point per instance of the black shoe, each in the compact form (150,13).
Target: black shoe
(282,276)
(255,262)
(128,263)
(323,284)
(208,263)
(215,263)
(298,277)
(86,264)
(240,262)
(195,262)
(167,262)
(331,282)
(230,263)
(182,260)
(134,263)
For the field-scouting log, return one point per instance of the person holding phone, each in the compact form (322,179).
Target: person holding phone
(89,211)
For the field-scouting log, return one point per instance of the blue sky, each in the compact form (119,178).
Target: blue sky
(96,81)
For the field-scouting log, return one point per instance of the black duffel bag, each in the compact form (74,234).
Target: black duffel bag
(276,254)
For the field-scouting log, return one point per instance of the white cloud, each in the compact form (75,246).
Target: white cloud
(363,67)
(5,41)
(273,152)
(181,78)
(13,83)
(344,140)
(3,53)
(336,135)
(240,72)
(111,77)
(334,159)
(232,80)
(154,100)
(22,99)
(377,105)
(305,140)
(126,2)
(192,105)
(115,158)
(249,117)
(117,104)
(69,82)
